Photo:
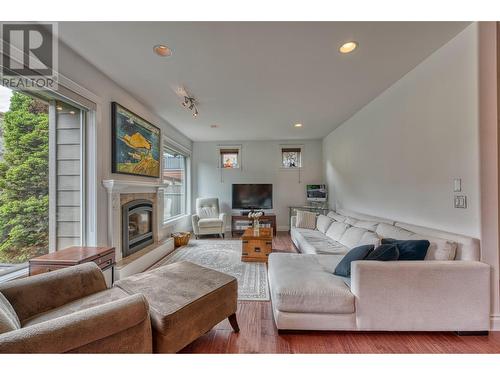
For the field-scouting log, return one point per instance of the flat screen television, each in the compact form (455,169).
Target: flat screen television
(316,193)
(252,196)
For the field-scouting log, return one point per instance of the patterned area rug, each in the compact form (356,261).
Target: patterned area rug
(225,256)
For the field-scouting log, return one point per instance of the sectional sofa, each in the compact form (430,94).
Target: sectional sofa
(448,291)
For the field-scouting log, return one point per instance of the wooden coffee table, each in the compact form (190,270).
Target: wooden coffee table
(257,245)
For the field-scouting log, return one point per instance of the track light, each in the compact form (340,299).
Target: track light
(190,103)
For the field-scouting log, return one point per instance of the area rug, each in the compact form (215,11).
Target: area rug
(225,256)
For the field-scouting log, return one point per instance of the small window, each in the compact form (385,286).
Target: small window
(291,157)
(229,158)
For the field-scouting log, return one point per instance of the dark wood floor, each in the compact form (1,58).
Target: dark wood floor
(258,334)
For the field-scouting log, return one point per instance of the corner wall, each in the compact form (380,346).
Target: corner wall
(397,157)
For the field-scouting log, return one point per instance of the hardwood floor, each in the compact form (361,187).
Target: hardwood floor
(258,334)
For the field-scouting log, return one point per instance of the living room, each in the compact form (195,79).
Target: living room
(272,187)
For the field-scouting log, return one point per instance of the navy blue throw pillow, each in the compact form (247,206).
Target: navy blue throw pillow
(357,253)
(409,249)
(384,253)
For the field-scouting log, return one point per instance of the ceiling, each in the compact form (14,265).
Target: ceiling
(254,80)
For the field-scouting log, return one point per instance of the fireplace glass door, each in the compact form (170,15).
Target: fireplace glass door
(139,224)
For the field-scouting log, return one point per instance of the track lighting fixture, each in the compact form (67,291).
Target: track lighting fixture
(190,103)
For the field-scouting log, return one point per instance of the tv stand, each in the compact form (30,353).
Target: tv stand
(241,222)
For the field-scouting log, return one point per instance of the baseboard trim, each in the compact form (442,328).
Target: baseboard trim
(495,323)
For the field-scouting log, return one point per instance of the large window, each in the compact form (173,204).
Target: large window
(174,179)
(40,177)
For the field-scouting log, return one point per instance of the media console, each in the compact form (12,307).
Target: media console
(240,222)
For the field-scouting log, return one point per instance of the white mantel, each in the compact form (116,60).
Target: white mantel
(117,187)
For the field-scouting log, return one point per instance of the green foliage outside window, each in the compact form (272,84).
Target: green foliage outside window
(24,185)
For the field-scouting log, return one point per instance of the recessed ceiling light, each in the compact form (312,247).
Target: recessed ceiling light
(213,126)
(348,47)
(297,125)
(162,50)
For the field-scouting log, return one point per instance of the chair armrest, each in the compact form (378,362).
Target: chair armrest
(36,294)
(195,218)
(74,330)
(222,217)
(421,295)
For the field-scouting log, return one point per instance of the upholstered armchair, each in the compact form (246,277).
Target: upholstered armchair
(208,219)
(71,311)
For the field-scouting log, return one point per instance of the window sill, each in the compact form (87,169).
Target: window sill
(174,220)
(19,271)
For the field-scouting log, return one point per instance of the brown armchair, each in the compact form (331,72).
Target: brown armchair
(70,310)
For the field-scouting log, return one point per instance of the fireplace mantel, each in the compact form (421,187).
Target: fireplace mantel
(130,186)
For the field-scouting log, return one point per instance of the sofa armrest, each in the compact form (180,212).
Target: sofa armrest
(293,221)
(421,295)
(81,328)
(36,294)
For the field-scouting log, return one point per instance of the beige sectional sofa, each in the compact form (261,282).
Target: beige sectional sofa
(448,291)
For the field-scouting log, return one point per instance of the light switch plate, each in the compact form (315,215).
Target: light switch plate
(460,201)
(457,185)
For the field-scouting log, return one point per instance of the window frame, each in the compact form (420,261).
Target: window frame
(185,152)
(291,146)
(234,149)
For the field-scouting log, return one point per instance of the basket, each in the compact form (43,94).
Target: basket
(181,238)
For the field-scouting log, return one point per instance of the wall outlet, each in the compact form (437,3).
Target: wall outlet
(460,201)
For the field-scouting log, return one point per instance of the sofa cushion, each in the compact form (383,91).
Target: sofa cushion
(335,216)
(93,300)
(336,230)
(350,221)
(385,252)
(358,253)
(368,225)
(214,222)
(312,241)
(303,284)
(352,236)
(306,220)
(409,249)
(8,317)
(390,231)
(323,223)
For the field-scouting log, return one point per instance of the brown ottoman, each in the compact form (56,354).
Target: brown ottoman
(185,302)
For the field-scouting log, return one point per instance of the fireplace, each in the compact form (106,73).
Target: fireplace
(137,226)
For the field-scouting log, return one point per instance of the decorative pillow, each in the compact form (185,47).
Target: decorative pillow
(369,225)
(352,236)
(336,230)
(409,249)
(323,223)
(335,216)
(369,238)
(384,253)
(439,249)
(306,220)
(8,317)
(358,253)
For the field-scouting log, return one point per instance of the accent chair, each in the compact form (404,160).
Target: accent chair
(208,219)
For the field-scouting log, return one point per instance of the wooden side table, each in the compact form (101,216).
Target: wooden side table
(104,257)
(257,245)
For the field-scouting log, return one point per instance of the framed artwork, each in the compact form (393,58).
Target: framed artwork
(135,144)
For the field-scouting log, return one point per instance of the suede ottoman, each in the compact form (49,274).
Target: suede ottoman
(185,300)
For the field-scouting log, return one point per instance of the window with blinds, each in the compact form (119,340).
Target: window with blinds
(291,157)
(229,158)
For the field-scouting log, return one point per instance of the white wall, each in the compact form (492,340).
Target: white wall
(397,157)
(260,164)
(74,67)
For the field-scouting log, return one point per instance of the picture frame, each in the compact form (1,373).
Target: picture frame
(135,144)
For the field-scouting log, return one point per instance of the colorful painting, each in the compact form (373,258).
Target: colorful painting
(136,144)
